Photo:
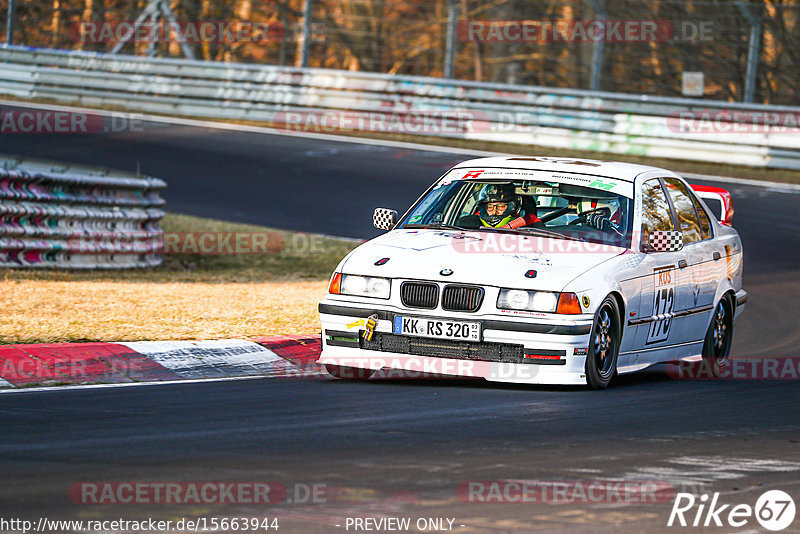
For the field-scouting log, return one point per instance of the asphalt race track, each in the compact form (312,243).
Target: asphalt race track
(401,448)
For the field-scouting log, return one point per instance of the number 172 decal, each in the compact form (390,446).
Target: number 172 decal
(663,304)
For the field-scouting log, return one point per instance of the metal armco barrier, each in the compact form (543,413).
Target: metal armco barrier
(64,216)
(703,130)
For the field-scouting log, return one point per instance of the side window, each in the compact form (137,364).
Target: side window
(469,207)
(688,223)
(705,224)
(655,209)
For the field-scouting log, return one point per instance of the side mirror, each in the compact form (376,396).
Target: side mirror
(384,218)
(664,241)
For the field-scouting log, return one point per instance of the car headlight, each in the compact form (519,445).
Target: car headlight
(520,299)
(365,286)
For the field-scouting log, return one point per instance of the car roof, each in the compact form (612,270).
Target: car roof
(609,169)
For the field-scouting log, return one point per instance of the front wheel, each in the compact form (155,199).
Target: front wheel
(349,373)
(717,345)
(601,362)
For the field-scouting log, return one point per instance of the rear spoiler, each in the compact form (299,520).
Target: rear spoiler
(718,199)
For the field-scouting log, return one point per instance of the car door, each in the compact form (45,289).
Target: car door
(704,266)
(666,279)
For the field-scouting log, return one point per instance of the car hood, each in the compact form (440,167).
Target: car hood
(485,258)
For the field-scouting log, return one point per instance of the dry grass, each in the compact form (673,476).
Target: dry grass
(189,297)
(36,311)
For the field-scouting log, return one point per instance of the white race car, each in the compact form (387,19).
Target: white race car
(540,270)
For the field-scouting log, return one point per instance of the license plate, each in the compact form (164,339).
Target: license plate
(438,328)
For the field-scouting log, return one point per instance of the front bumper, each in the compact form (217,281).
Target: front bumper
(741,300)
(513,350)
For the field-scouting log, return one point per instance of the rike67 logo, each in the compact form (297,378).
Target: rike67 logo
(774,510)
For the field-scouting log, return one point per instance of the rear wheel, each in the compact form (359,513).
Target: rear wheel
(717,344)
(349,373)
(601,362)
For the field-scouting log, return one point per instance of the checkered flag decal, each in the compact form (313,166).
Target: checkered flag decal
(384,219)
(666,241)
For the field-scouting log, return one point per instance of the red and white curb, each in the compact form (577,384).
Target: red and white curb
(50,364)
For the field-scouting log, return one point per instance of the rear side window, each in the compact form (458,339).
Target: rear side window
(715,206)
(688,222)
(705,224)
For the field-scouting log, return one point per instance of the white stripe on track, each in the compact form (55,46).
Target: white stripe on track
(77,387)
(777,186)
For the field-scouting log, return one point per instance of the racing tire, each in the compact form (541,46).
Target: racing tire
(349,373)
(717,345)
(604,342)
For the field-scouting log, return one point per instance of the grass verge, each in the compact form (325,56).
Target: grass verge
(191,296)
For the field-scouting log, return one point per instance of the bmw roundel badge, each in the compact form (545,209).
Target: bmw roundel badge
(446,272)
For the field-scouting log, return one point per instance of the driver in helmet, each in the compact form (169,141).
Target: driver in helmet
(499,206)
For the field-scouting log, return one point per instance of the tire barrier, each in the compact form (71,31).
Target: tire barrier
(325,100)
(58,216)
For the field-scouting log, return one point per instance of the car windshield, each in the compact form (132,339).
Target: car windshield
(499,201)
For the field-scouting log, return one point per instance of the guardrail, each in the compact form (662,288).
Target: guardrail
(64,216)
(703,130)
